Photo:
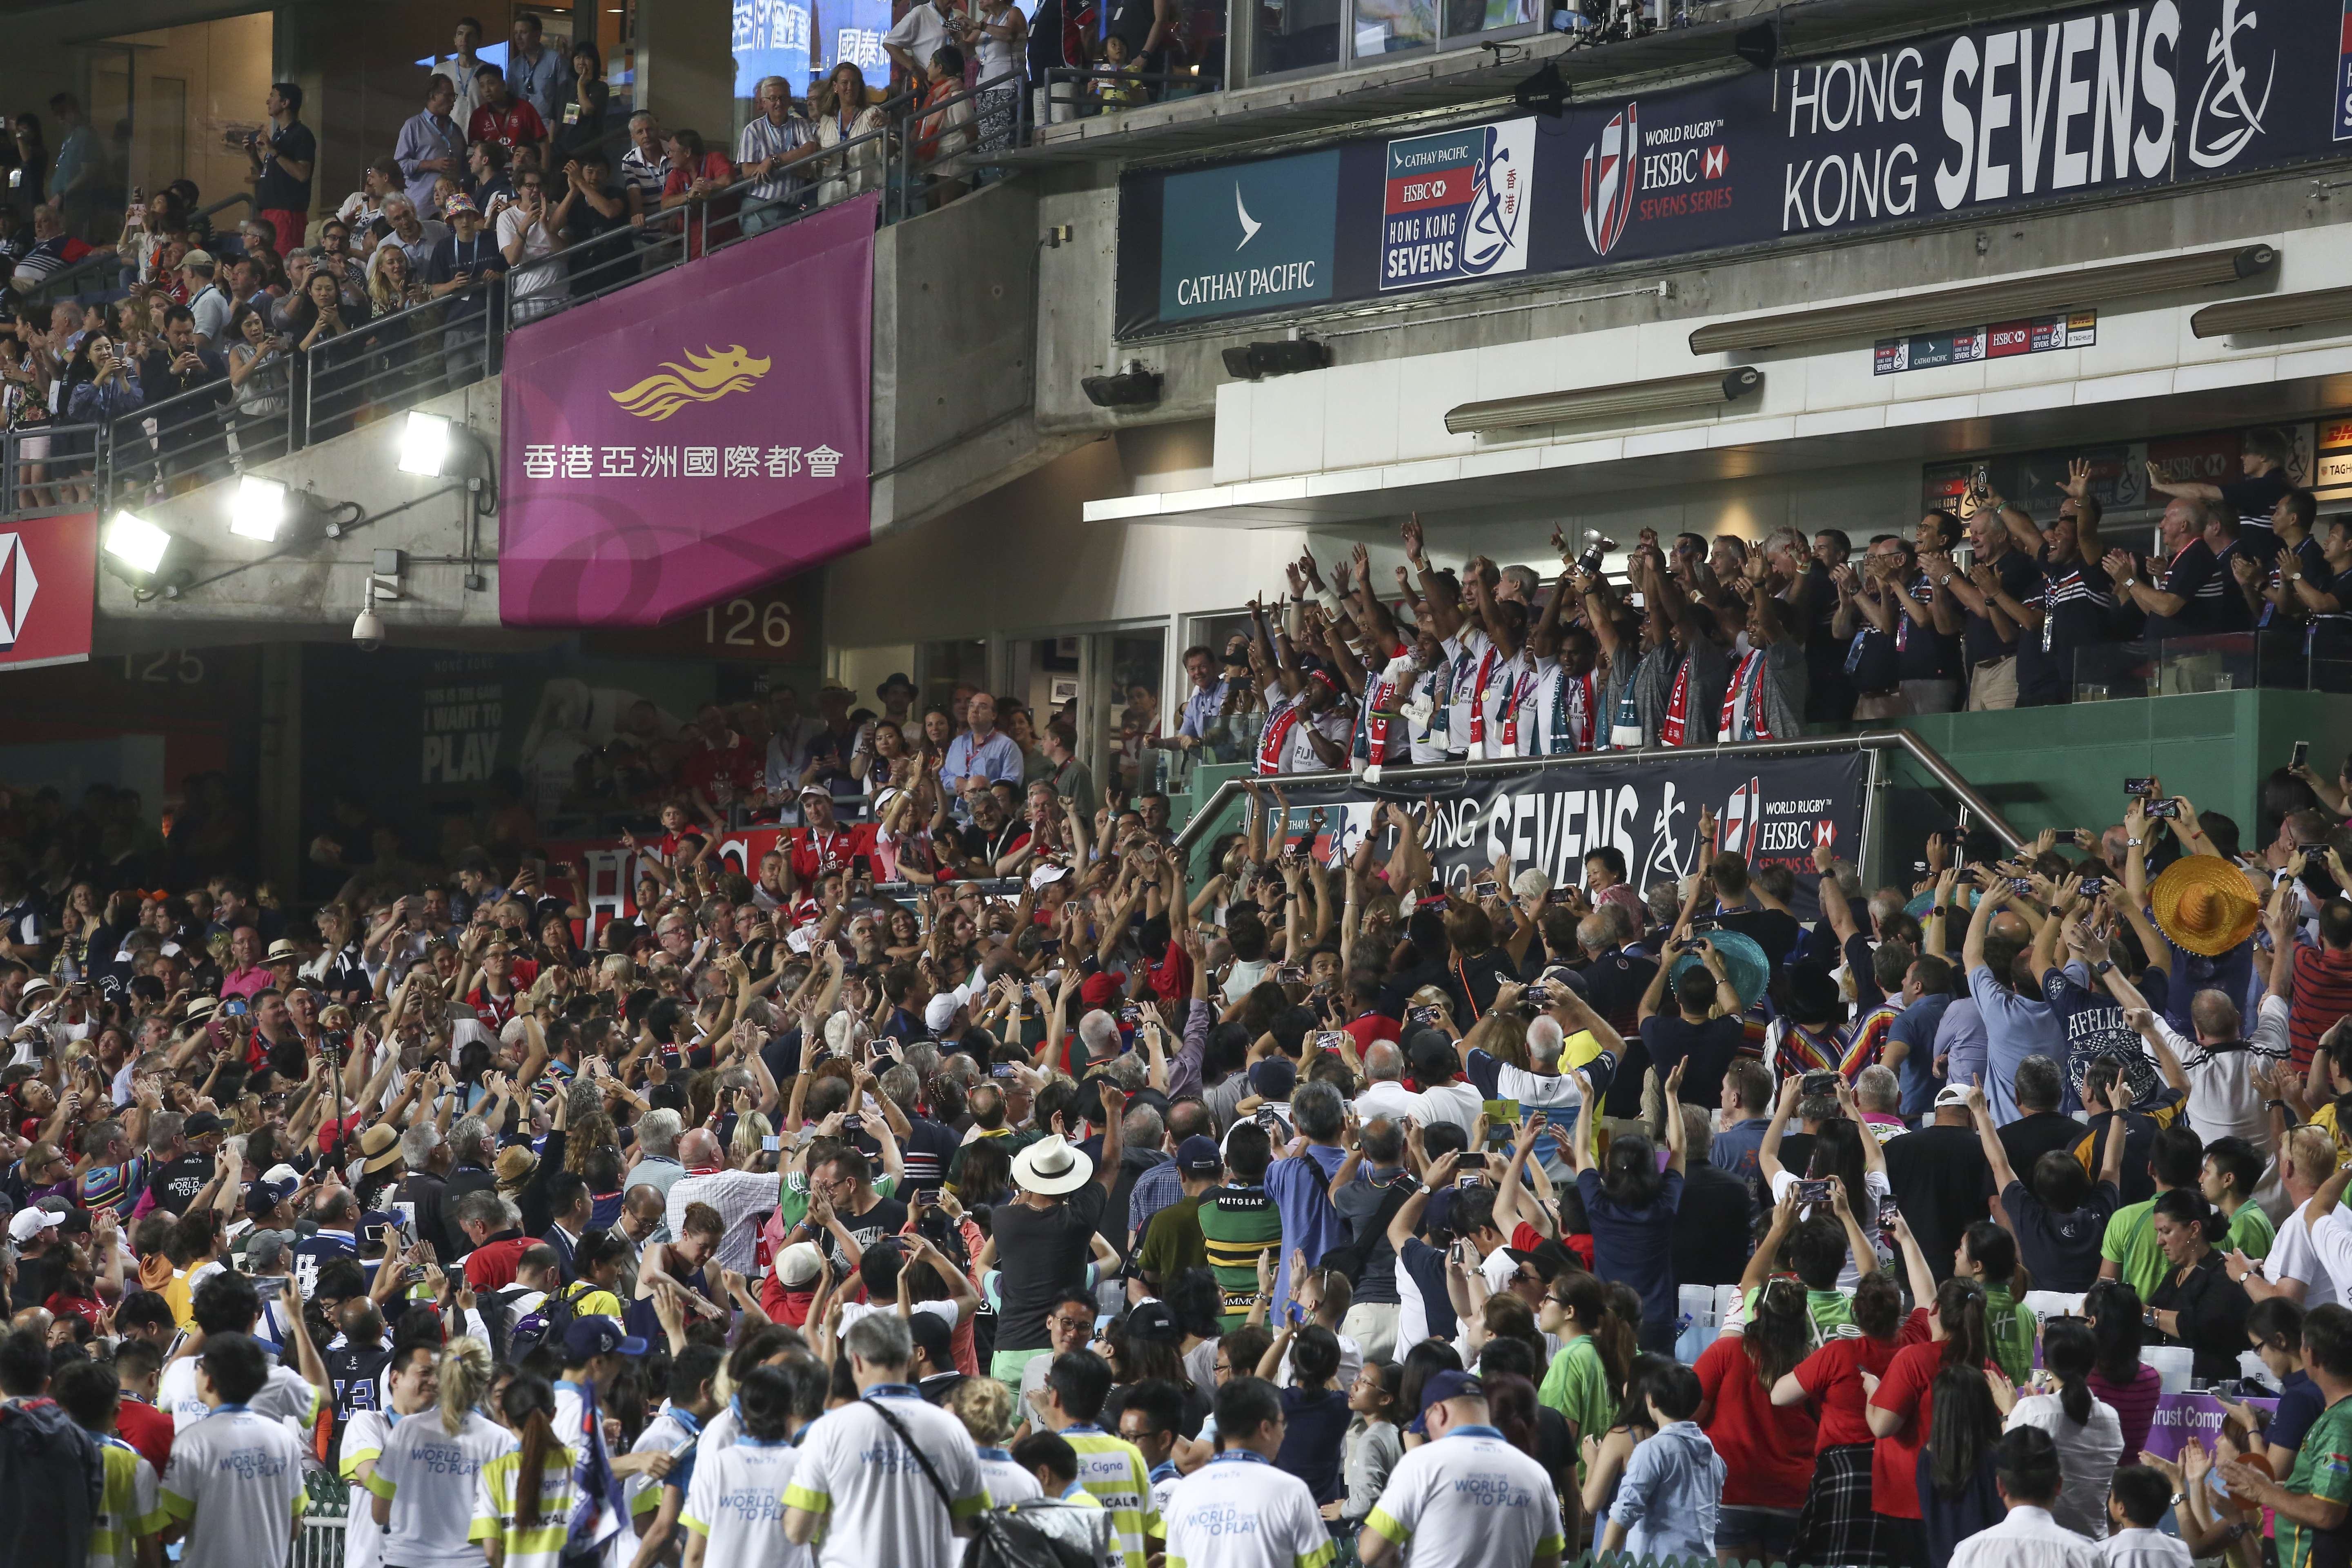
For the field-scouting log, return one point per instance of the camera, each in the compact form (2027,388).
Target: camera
(367,630)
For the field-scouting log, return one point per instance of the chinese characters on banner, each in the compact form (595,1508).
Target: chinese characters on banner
(549,461)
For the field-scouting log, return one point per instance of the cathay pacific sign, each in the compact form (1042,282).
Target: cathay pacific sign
(1250,237)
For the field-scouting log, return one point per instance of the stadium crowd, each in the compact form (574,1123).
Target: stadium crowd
(788,1219)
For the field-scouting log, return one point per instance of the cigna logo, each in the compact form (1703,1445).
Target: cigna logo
(706,378)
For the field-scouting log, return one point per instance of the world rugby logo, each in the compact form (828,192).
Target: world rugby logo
(1608,193)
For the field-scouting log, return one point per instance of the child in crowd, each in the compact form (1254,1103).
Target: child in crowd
(1667,1504)
(1113,84)
(1372,1446)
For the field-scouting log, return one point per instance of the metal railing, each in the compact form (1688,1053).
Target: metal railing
(1077,92)
(106,261)
(917,157)
(46,467)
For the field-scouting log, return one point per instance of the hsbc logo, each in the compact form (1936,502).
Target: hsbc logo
(1684,166)
(1607,193)
(17,587)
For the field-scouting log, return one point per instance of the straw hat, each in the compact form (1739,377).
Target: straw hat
(2204,904)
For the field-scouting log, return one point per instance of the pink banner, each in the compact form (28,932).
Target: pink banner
(693,436)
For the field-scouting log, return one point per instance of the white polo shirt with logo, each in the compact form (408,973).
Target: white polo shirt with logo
(1240,1512)
(236,1482)
(1467,1500)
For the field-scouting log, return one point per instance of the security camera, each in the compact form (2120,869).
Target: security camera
(367,630)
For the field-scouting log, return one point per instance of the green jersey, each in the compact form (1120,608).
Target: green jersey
(2130,1244)
(2250,1232)
(1239,1224)
(2322,1469)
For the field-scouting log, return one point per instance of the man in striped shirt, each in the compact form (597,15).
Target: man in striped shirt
(775,139)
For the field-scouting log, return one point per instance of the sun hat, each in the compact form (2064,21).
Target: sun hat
(514,1165)
(1743,961)
(283,952)
(897,682)
(1051,1166)
(2204,905)
(379,1147)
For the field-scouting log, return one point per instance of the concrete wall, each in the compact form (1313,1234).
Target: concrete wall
(314,590)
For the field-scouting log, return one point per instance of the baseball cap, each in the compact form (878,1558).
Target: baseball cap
(1099,991)
(1549,1257)
(598,1335)
(1047,873)
(1274,1078)
(1154,1323)
(1951,1094)
(1198,1156)
(29,1223)
(1448,1385)
(203,1124)
(798,1266)
(197,258)
(264,1196)
(1433,1056)
(928,1332)
(940,1010)
(816,786)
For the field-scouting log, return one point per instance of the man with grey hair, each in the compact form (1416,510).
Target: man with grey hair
(493,1227)
(874,1501)
(424,1189)
(1522,584)
(1384,1093)
(1162,1185)
(925,1146)
(470,1153)
(1373,1172)
(1878,1093)
(1099,1031)
(1300,1183)
(270,1255)
(776,138)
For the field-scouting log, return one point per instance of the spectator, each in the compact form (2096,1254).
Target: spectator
(1242,1481)
(52,251)
(2029,1470)
(80,171)
(500,116)
(2195,1302)
(844,116)
(1043,1238)
(525,237)
(465,264)
(233,1488)
(1449,1522)
(692,189)
(885,1513)
(431,143)
(579,121)
(539,76)
(777,138)
(1938,1177)
(282,163)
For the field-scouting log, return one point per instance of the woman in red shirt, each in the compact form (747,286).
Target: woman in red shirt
(1901,1411)
(1838,1523)
(1767,1449)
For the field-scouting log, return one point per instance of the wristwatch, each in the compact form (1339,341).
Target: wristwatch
(2102,969)
(2134,843)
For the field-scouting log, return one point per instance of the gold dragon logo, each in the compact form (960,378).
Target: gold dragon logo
(706,378)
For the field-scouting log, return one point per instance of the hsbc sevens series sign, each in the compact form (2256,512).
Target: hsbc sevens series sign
(49,585)
(1773,809)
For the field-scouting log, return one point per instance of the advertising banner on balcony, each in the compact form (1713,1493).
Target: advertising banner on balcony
(692,438)
(48,590)
(1773,809)
(2063,107)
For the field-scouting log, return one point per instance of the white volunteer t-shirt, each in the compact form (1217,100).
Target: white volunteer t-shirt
(851,1311)
(430,1477)
(1239,1511)
(1467,1500)
(664,1434)
(876,1506)
(287,1396)
(363,1437)
(1008,1483)
(2293,1256)
(235,1481)
(735,1503)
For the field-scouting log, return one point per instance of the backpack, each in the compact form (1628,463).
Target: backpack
(52,1485)
(1351,1257)
(998,1540)
(544,1327)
